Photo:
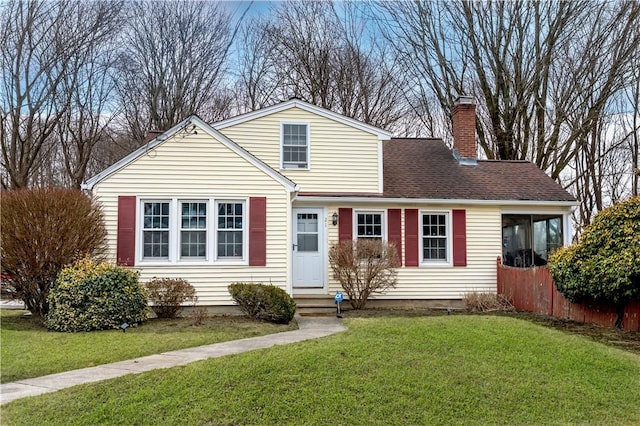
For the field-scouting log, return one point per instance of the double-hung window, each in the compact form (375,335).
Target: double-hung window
(230,229)
(185,230)
(435,237)
(369,225)
(193,229)
(155,230)
(295,146)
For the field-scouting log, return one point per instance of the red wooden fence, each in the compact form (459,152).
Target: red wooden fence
(532,290)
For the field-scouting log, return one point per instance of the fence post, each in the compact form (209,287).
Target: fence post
(499,275)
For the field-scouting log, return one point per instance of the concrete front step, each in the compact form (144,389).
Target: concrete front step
(315,305)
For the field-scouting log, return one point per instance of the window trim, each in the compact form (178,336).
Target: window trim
(207,256)
(308,126)
(174,258)
(383,216)
(449,237)
(245,232)
(142,230)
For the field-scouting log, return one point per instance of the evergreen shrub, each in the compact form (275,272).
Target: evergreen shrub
(95,296)
(264,302)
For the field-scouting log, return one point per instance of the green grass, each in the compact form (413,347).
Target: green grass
(383,370)
(30,350)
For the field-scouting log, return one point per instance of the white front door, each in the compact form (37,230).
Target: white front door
(308,248)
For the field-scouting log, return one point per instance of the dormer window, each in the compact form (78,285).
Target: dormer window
(295,146)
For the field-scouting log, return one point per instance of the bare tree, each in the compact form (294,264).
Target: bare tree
(321,52)
(260,83)
(90,112)
(43,43)
(543,73)
(172,63)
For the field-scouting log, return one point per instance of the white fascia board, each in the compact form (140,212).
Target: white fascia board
(90,183)
(194,119)
(290,185)
(369,200)
(297,103)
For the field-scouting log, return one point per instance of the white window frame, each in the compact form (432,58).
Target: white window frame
(245,231)
(383,216)
(205,229)
(175,217)
(295,123)
(449,238)
(140,236)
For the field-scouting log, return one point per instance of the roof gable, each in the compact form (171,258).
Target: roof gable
(197,122)
(297,103)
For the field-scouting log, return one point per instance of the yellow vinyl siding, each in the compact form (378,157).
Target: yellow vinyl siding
(199,167)
(342,158)
(446,282)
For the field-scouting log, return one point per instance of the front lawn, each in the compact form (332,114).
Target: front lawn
(455,369)
(30,350)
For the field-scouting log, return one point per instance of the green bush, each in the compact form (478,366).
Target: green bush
(603,266)
(265,302)
(167,294)
(95,296)
(42,230)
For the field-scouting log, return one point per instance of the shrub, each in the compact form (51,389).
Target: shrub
(363,267)
(167,294)
(43,230)
(199,315)
(487,302)
(603,266)
(95,296)
(265,302)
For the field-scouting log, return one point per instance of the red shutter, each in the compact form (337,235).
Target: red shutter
(257,231)
(126,243)
(395,231)
(459,238)
(345,225)
(411,255)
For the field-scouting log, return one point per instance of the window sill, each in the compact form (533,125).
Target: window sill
(239,262)
(435,264)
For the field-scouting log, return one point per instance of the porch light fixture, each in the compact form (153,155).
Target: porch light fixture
(334,218)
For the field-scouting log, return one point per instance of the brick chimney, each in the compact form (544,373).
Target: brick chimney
(463,118)
(151,135)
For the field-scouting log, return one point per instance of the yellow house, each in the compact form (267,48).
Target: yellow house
(262,196)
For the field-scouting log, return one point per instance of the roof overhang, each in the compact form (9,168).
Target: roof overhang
(197,121)
(440,201)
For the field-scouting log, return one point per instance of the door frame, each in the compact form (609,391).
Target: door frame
(322,247)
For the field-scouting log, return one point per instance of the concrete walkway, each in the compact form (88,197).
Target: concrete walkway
(309,328)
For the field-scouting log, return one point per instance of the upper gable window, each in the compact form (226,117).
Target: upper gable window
(295,146)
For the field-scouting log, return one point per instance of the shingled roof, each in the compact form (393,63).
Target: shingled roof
(427,169)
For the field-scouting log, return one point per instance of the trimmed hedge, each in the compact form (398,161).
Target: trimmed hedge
(264,302)
(95,296)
